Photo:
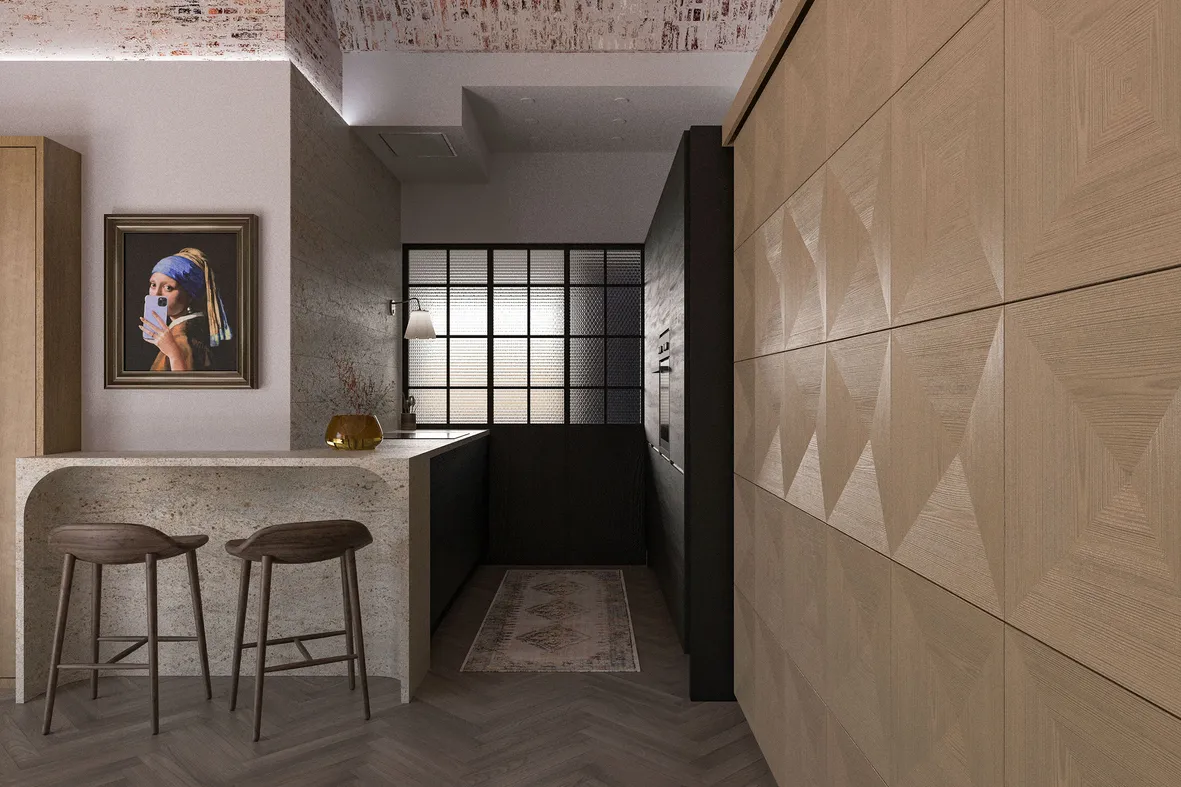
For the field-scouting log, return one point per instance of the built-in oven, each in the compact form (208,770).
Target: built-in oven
(664,369)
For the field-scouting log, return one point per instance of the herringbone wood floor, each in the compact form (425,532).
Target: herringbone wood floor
(535,730)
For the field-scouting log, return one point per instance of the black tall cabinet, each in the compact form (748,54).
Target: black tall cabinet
(688,405)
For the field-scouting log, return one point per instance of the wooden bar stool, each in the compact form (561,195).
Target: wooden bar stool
(119,544)
(300,542)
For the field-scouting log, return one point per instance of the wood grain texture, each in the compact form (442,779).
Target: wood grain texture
(744,302)
(1093,454)
(919,28)
(806,742)
(758,424)
(860,64)
(745,500)
(1065,725)
(1094,141)
(803,264)
(856,233)
(792,113)
(802,388)
(776,38)
(745,220)
(805,566)
(947,126)
(744,653)
(857,645)
(942,474)
(948,688)
(770,286)
(853,433)
(18,329)
(59,331)
(771,564)
(847,765)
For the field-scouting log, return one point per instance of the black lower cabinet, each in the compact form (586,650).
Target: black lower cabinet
(665,513)
(459,521)
(566,495)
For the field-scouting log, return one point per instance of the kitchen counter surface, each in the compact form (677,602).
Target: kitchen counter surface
(229,495)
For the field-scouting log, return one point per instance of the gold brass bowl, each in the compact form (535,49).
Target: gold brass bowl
(353,432)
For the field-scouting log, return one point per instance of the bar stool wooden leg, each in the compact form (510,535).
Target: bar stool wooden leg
(153,642)
(59,633)
(264,603)
(96,612)
(240,630)
(199,618)
(355,604)
(348,623)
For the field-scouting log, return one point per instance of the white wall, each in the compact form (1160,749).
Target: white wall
(541,198)
(158,137)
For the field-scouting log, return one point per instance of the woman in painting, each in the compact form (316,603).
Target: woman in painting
(196,315)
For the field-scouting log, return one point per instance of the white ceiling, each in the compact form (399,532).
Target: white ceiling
(585,119)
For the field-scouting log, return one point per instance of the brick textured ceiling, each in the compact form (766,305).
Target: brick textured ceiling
(553,25)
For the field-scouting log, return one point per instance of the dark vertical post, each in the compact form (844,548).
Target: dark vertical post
(96,610)
(240,630)
(153,641)
(59,634)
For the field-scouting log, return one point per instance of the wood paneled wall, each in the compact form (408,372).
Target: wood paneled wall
(958,396)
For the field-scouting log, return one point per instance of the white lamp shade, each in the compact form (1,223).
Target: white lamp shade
(420,325)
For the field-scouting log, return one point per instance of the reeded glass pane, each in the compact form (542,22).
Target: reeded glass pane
(510,361)
(469,310)
(469,406)
(547,266)
(586,405)
(510,406)
(586,362)
(625,313)
(623,406)
(547,311)
(623,266)
(428,266)
(428,363)
(547,361)
(469,361)
(586,311)
(586,266)
(469,266)
(510,266)
(430,406)
(510,311)
(547,406)
(434,300)
(625,358)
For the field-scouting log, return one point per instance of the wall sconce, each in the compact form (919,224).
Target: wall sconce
(419,326)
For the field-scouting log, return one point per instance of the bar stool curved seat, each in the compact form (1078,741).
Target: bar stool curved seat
(122,543)
(296,543)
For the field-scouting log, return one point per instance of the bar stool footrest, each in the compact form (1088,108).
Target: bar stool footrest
(308,663)
(103,666)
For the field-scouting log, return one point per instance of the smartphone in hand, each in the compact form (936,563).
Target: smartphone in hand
(157,305)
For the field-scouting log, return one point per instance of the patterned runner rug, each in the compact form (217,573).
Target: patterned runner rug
(566,620)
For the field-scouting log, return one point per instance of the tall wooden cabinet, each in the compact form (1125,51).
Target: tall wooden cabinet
(40,327)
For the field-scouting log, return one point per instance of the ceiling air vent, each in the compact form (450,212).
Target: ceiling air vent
(418,144)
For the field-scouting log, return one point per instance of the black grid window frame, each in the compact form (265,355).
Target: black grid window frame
(528,286)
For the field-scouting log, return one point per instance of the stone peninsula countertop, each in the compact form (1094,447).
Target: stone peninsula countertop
(226,495)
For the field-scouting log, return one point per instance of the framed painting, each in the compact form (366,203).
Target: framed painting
(181,301)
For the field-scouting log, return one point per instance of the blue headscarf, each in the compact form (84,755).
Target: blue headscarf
(191,278)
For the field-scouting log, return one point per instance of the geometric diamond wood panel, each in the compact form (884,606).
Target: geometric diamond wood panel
(947,174)
(796,149)
(744,300)
(758,404)
(803,264)
(942,477)
(852,431)
(771,568)
(1093,462)
(759,291)
(806,743)
(856,232)
(803,374)
(745,211)
(857,643)
(745,499)
(1094,147)
(744,653)
(859,65)
(1066,725)
(847,766)
(948,688)
(804,568)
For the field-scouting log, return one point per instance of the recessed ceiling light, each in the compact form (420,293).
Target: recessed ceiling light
(531,121)
(621,100)
(619,121)
(617,139)
(526,100)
